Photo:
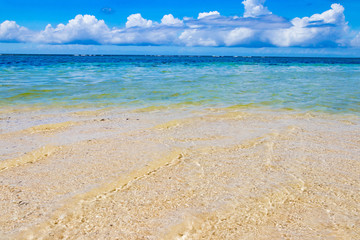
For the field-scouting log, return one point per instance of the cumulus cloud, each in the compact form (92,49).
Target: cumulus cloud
(255,8)
(196,37)
(83,28)
(136,20)
(257,28)
(319,29)
(10,31)
(206,14)
(170,20)
(334,16)
(239,36)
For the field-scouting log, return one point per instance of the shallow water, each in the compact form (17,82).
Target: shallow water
(179,174)
(311,84)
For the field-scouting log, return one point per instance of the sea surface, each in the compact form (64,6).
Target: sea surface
(329,85)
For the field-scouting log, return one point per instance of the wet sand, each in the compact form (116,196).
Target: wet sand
(178,174)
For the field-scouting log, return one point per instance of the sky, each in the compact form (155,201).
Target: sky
(227,27)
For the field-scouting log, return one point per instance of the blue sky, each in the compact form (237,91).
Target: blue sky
(252,27)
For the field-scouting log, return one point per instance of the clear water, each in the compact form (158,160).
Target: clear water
(314,84)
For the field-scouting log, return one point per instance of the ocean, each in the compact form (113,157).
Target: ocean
(329,85)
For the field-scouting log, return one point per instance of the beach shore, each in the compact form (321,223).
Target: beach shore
(158,173)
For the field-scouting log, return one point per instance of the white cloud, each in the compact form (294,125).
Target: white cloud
(211,38)
(255,8)
(258,28)
(195,37)
(170,20)
(136,20)
(239,36)
(10,31)
(335,15)
(206,14)
(326,28)
(84,28)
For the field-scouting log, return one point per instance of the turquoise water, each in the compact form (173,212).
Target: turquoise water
(315,84)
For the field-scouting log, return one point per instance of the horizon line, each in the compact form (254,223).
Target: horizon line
(169,55)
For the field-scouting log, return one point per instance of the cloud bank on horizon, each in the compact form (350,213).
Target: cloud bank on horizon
(258,27)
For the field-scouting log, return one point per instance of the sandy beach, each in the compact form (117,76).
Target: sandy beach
(211,173)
